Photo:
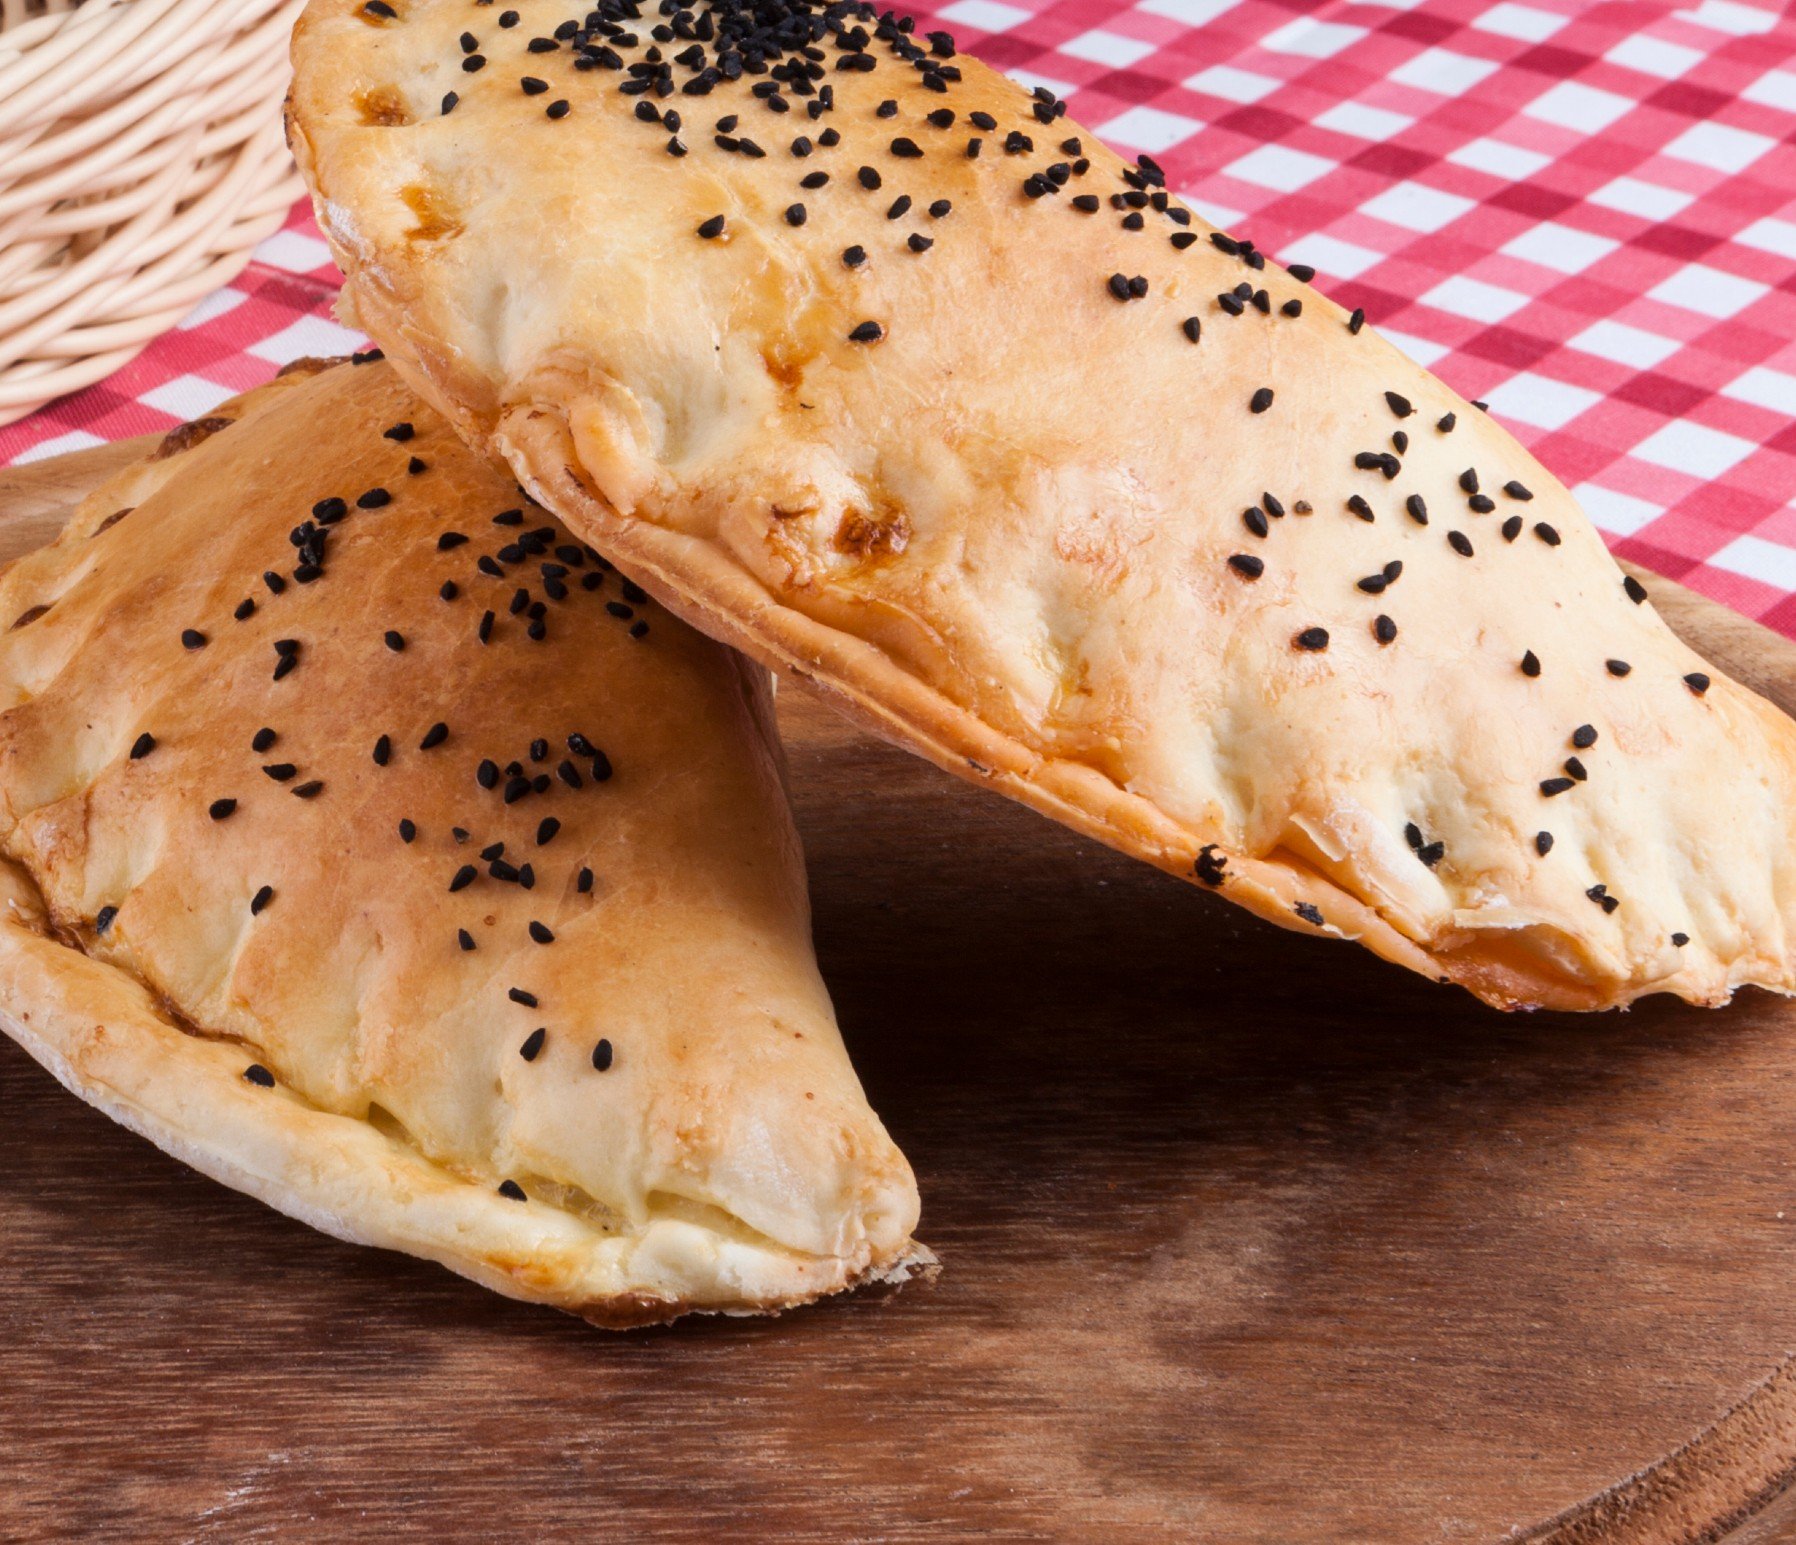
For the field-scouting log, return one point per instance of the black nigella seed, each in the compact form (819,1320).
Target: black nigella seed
(546,830)
(1230,304)
(1312,639)
(463,878)
(1551,786)
(1468,480)
(533,1043)
(1357,320)
(906,149)
(245,609)
(584,883)
(1530,663)
(407,831)
(1383,629)
(400,432)
(309,789)
(1584,736)
(1512,528)
(1418,509)
(1247,565)
(813,180)
(559,108)
(380,8)
(1401,441)
(374,499)
(919,243)
(1543,843)
(1697,682)
(1399,404)
(464,939)
(1302,272)
(1636,592)
(395,640)
(900,207)
(540,933)
(1481,504)
(262,740)
(103,918)
(255,1073)
(416,465)
(1446,422)
(1309,912)
(867,332)
(328,512)
(1086,203)
(1193,328)
(853,257)
(1680,939)
(1180,239)
(601,1056)
(518,995)
(434,736)
(939,208)
(1517,491)
(712,227)
(487,773)
(274,581)
(512,1191)
(1460,543)
(192,638)
(1261,400)
(1617,667)
(142,746)
(1576,769)
(383,751)
(281,772)
(219,809)
(532,86)
(449,100)
(1358,505)
(486,626)
(260,900)
(1291,308)
(869,178)
(450,539)
(1254,518)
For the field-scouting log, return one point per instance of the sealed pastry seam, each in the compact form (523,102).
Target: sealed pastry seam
(271,989)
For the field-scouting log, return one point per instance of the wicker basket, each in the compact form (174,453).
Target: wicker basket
(140,159)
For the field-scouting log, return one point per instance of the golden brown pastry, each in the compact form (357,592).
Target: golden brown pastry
(869,361)
(375,849)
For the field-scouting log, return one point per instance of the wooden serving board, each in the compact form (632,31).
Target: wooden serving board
(1246,1237)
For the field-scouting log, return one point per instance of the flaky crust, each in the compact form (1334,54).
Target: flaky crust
(723,1157)
(1001,532)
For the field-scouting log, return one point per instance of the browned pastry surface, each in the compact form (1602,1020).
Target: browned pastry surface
(375,848)
(870,362)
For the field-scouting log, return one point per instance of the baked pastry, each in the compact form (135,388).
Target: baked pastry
(867,360)
(374,848)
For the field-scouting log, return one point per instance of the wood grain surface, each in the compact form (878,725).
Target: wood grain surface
(1246,1237)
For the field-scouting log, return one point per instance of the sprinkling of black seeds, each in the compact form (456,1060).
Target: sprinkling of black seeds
(939,208)
(1517,490)
(219,809)
(1270,503)
(1617,667)
(533,1043)
(373,499)
(512,1191)
(906,149)
(1460,543)
(1584,736)
(274,581)
(1418,509)
(1399,404)
(255,1073)
(463,878)
(192,638)
(262,740)
(1636,592)
(1576,769)
(853,257)
(1260,401)
(449,101)
(309,789)
(1383,629)
(395,640)
(1291,308)
(400,432)
(1255,520)
(1680,939)
(559,108)
(601,1056)
(328,511)
(540,933)
(1247,565)
(867,332)
(1312,639)
(1401,441)
(712,227)
(407,831)
(1356,321)
(584,883)
(918,243)
(1512,528)
(535,88)
(281,772)
(416,465)
(1309,912)
(245,609)
(142,746)
(1446,422)
(486,627)
(103,918)
(1546,533)
(900,206)
(1543,843)
(260,900)
(1530,663)
(518,995)
(1551,786)
(1697,682)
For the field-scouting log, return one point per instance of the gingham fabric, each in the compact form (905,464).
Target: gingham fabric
(1584,214)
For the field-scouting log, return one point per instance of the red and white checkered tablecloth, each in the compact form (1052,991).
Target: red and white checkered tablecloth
(1583,213)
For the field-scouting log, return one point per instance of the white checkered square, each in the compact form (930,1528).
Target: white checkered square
(1719,147)
(1618,514)
(1475,299)
(308,335)
(1770,563)
(1280,168)
(1573,105)
(1149,129)
(1540,400)
(1107,48)
(1330,256)
(986,15)
(1729,16)
(187,396)
(1646,199)
(1363,122)
(1522,22)
(296,253)
(1764,387)
(1232,85)
(1770,235)
(1311,38)
(1443,72)
(1497,158)
(1694,449)
(1708,291)
(1775,88)
(1559,247)
(1624,345)
(1654,56)
(1417,207)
